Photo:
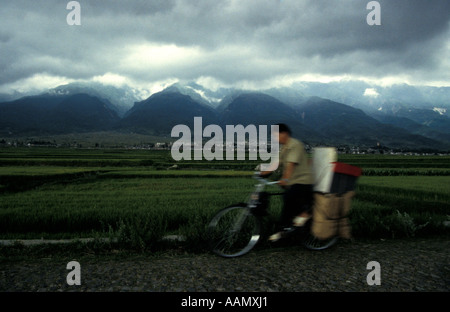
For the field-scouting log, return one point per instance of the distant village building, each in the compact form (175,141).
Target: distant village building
(163,145)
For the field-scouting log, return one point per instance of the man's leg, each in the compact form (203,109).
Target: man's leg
(306,199)
(291,205)
(305,204)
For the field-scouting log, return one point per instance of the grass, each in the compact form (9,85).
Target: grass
(401,206)
(98,193)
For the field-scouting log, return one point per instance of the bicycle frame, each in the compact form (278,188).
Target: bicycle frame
(259,188)
(254,203)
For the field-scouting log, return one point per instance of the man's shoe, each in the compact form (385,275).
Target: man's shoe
(275,237)
(300,221)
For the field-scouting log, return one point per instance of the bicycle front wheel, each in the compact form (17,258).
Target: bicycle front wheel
(234,231)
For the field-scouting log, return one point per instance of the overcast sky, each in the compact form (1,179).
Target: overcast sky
(243,43)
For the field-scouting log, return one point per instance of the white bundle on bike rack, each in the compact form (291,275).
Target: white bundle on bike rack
(323,168)
(331,176)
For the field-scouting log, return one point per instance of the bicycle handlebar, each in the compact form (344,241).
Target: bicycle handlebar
(262,180)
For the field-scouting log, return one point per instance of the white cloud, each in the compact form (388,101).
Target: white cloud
(35,83)
(112,79)
(371,92)
(151,56)
(210,83)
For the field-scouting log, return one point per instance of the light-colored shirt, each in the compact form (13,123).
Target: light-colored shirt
(294,152)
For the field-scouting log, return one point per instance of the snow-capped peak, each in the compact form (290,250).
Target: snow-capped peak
(441,111)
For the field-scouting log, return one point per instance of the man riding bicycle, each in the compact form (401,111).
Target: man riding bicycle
(296,179)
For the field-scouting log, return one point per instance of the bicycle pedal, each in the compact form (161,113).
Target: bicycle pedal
(288,231)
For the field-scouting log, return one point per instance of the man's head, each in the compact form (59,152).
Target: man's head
(284,133)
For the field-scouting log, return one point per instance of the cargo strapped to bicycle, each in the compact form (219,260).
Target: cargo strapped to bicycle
(335,184)
(330,215)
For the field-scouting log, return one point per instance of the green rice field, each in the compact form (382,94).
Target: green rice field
(138,196)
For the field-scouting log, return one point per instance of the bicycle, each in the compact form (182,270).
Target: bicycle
(235,230)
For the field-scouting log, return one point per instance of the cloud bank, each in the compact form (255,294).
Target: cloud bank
(240,43)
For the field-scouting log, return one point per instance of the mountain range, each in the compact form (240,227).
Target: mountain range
(351,113)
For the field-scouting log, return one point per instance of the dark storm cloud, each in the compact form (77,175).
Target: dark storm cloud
(342,27)
(228,40)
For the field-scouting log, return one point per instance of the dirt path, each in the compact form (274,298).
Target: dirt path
(405,265)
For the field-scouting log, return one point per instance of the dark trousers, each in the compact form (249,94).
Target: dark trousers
(297,198)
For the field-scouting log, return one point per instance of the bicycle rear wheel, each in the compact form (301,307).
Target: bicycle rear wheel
(234,231)
(314,243)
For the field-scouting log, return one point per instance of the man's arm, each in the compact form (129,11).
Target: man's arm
(287,173)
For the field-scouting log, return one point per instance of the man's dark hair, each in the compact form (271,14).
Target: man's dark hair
(283,128)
